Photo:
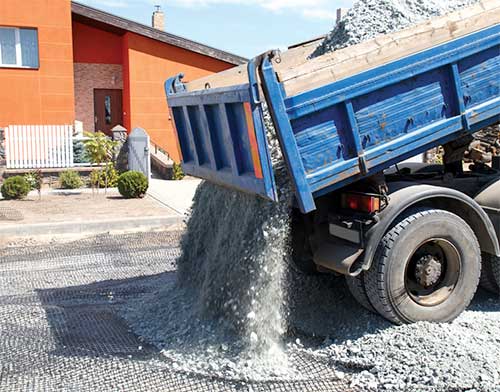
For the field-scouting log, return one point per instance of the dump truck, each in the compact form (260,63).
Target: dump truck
(413,240)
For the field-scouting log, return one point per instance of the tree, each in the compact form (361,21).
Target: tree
(100,149)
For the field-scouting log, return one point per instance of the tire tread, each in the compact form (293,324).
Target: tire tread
(375,276)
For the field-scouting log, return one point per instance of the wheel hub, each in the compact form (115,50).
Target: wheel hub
(428,271)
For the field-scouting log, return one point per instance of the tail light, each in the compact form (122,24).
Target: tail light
(361,202)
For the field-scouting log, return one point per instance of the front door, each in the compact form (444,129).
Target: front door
(108,110)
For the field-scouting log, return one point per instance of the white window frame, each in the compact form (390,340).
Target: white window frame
(19,52)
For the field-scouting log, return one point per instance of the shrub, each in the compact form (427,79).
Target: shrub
(132,184)
(98,177)
(70,179)
(178,174)
(79,152)
(34,180)
(99,148)
(15,188)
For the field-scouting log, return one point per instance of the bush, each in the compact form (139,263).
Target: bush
(70,179)
(178,174)
(34,180)
(99,177)
(15,188)
(79,152)
(132,184)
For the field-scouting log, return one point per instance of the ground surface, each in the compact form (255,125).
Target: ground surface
(78,206)
(177,195)
(61,329)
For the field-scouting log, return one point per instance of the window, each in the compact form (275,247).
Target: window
(18,47)
(107,109)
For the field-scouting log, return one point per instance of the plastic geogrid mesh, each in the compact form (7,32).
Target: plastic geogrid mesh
(59,329)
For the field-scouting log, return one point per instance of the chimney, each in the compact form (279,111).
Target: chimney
(341,12)
(158,19)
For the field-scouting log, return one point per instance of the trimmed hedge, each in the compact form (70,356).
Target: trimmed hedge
(70,179)
(15,188)
(132,185)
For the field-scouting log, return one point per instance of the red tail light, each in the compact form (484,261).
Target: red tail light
(360,202)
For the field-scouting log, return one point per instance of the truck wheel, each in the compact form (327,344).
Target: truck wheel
(426,268)
(495,270)
(301,260)
(356,286)
(488,280)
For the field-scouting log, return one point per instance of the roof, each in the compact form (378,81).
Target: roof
(119,25)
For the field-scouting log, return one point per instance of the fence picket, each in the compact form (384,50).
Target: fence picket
(69,145)
(29,142)
(39,146)
(13,144)
(63,146)
(64,137)
(50,138)
(43,147)
(16,147)
(60,146)
(8,154)
(57,147)
(20,145)
(24,153)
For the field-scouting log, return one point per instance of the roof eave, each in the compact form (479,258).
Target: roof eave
(158,35)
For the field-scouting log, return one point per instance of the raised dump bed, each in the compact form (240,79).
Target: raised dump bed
(343,116)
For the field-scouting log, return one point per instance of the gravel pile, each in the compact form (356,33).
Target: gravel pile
(369,18)
(463,355)
(224,311)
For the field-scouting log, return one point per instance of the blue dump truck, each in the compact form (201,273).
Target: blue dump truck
(414,241)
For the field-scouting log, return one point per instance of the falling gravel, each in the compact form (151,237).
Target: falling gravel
(237,312)
(226,308)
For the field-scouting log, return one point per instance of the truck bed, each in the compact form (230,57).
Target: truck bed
(340,129)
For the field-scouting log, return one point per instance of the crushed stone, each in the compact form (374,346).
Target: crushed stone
(237,312)
(369,18)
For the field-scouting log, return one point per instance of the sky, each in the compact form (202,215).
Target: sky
(243,27)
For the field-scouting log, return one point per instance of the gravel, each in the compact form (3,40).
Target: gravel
(60,308)
(462,355)
(369,18)
(224,310)
(236,312)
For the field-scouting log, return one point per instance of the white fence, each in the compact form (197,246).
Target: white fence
(39,146)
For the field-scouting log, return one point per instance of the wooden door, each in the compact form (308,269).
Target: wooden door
(108,109)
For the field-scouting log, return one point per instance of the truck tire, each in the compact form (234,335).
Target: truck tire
(301,260)
(426,268)
(495,270)
(356,286)
(488,279)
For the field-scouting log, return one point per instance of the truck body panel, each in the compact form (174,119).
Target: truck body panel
(341,132)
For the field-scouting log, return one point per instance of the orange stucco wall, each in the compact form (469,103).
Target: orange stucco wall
(147,64)
(45,95)
(95,46)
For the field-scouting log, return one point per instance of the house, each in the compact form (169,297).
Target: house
(62,61)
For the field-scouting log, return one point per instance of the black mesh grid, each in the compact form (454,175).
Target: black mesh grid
(59,329)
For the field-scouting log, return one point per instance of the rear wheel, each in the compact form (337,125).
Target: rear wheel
(302,256)
(426,268)
(488,280)
(356,286)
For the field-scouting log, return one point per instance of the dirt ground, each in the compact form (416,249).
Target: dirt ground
(77,207)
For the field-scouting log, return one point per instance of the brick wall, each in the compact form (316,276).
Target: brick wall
(87,78)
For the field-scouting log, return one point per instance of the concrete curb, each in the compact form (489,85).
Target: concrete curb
(168,222)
